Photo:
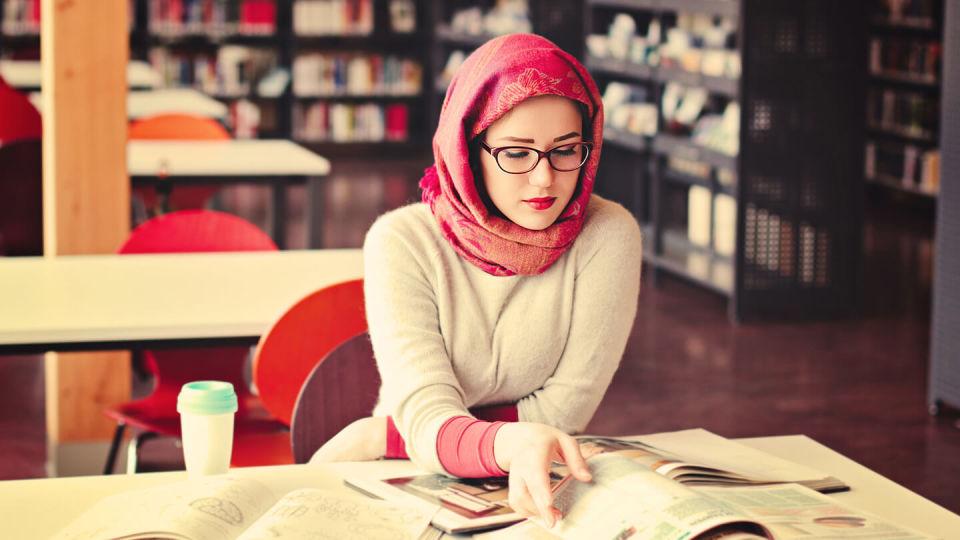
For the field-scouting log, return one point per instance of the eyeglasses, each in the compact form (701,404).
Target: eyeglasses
(523,159)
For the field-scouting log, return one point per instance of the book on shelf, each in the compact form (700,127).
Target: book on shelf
(325,121)
(349,74)
(174,18)
(21,17)
(676,461)
(231,507)
(333,17)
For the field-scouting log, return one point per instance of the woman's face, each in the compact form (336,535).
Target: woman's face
(534,199)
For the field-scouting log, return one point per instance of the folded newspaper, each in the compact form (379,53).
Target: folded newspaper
(693,457)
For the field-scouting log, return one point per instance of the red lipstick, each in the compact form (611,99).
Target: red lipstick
(540,203)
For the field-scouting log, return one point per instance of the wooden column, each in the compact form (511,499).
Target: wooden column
(86,196)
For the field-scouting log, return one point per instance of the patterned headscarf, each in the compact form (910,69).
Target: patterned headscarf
(495,78)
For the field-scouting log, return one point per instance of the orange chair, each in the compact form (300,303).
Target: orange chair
(177,127)
(301,338)
(255,430)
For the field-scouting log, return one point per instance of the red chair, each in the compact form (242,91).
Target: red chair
(177,127)
(301,338)
(21,198)
(254,429)
(20,119)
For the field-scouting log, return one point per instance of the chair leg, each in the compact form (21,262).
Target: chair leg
(114,446)
(133,449)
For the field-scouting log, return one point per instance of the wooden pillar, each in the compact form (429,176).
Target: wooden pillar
(86,198)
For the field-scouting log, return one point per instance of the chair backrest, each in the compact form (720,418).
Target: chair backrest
(342,388)
(21,197)
(196,231)
(301,338)
(20,119)
(188,231)
(177,127)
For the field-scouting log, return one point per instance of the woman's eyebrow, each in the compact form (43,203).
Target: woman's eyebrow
(567,136)
(531,141)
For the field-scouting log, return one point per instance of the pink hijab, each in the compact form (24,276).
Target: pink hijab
(494,79)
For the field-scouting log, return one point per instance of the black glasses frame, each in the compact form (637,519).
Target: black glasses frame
(495,152)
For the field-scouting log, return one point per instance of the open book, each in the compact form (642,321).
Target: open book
(691,457)
(229,507)
(627,500)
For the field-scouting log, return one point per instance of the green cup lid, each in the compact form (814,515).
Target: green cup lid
(207,397)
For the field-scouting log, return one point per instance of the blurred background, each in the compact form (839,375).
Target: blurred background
(782,157)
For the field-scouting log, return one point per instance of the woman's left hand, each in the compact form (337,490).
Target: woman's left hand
(363,440)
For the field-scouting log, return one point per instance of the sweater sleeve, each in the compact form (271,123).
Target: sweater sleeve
(606,290)
(419,388)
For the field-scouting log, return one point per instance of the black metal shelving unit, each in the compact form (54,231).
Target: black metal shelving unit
(797,180)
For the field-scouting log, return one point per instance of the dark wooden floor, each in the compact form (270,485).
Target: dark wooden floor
(858,386)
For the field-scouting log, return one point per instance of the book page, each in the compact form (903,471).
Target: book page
(628,500)
(313,514)
(214,508)
(793,511)
(673,453)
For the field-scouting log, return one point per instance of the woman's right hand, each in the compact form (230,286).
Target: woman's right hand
(527,450)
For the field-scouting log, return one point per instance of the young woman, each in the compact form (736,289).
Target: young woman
(510,291)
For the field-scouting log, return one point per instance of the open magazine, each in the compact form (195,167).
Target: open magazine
(627,500)
(693,457)
(229,507)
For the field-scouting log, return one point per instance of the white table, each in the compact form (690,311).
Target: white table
(141,104)
(276,162)
(39,508)
(100,302)
(26,74)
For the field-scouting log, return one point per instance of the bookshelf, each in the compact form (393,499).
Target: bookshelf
(356,66)
(902,152)
(460,26)
(728,136)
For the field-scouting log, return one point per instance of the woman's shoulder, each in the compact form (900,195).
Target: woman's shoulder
(411,228)
(609,221)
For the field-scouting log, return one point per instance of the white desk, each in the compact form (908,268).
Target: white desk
(123,301)
(275,162)
(141,104)
(39,508)
(26,74)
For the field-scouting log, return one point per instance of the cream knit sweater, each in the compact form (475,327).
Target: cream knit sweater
(448,336)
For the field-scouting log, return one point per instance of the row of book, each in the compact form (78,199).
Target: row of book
(325,74)
(333,17)
(212,17)
(909,166)
(324,121)
(231,71)
(918,60)
(909,114)
(21,17)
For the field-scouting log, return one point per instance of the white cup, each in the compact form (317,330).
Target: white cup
(206,420)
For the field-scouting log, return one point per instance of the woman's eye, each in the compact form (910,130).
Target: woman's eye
(565,151)
(517,154)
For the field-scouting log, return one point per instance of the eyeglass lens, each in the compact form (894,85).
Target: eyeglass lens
(568,157)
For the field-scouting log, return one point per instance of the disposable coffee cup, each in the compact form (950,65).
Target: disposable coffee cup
(206,419)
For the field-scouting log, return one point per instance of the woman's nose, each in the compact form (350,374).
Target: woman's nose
(542,174)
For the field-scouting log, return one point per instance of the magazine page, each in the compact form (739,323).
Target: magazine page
(698,457)
(628,500)
(461,504)
(215,508)
(314,514)
(793,511)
